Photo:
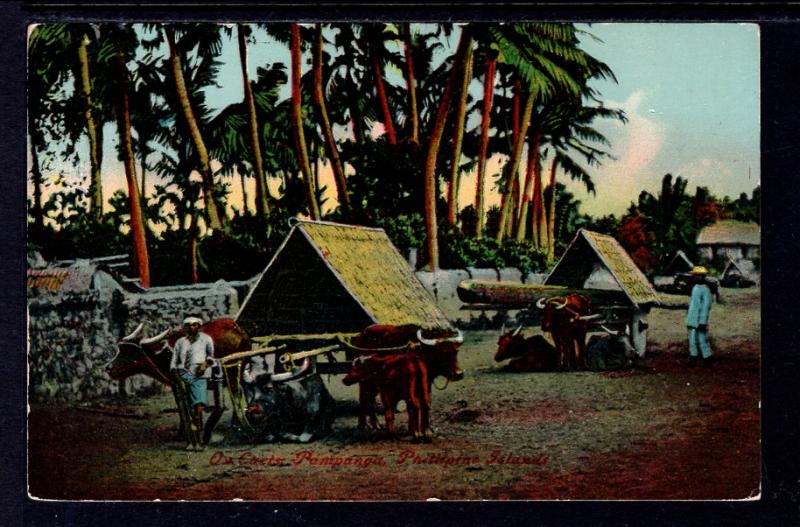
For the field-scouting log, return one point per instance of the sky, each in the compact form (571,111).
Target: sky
(690,91)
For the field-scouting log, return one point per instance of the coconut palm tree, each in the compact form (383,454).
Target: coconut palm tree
(301,148)
(568,126)
(373,37)
(543,56)
(92,125)
(490,65)
(460,114)
(325,123)
(464,45)
(118,45)
(262,190)
(61,54)
(411,81)
(213,210)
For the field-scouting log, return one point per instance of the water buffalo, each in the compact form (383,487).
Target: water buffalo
(438,349)
(567,321)
(293,406)
(398,377)
(151,356)
(530,354)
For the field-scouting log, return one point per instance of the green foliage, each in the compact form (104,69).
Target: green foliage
(405,231)
(389,179)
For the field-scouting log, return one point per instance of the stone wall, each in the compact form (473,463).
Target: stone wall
(72,336)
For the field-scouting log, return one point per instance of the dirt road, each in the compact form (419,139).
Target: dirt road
(664,430)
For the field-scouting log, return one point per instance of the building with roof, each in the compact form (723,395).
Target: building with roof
(77,277)
(329,277)
(729,239)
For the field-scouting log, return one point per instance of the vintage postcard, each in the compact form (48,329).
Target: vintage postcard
(393,261)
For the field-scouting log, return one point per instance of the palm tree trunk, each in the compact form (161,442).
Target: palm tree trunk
(301,149)
(327,131)
(512,168)
(193,263)
(538,207)
(383,99)
(411,82)
(212,208)
(126,144)
(461,112)
(245,210)
(551,213)
(144,151)
(262,191)
(533,160)
(36,178)
(517,90)
(433,150)
(95,184)
(355,114)
(480,191)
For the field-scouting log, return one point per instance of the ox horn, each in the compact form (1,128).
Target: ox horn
(609,331)
(158,338)
(135,332)
(590,317)
(425,341)
(516,331)
(540,303)
(288,376)
(458,339)
(563,305)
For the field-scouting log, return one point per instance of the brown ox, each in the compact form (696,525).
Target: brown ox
(398,377)
(567,321)
(437,348)
(530,354)
(151,356)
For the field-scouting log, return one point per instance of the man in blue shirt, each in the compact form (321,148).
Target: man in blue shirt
(697,317)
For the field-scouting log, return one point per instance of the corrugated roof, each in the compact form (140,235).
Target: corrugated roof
(610,254)
(730,232)
(367,263)
(57,280)
(377,284)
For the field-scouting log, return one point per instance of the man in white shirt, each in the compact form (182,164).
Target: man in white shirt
(190,358)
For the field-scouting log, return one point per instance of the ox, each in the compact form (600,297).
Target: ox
(398,377)
(530,354)
(567,321)
(151,356)
(293,406)
(438,349)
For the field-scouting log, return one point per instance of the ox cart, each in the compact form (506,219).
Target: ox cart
(612,312)
(266,383)
(593,265)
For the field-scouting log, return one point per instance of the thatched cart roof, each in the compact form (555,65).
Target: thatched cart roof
(592,254)
(335,277)
(742,267)
(680,263)
(730,232)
